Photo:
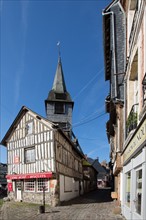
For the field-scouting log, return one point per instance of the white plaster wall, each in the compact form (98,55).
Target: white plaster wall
(69,188)
(139,161)
(121,187)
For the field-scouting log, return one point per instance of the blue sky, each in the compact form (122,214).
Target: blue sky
(30,31)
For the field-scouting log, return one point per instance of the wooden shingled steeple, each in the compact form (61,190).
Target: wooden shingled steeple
(59,104)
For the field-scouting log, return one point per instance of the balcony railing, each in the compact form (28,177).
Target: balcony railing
(131,122)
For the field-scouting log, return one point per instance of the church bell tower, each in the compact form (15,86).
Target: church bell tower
(59,105)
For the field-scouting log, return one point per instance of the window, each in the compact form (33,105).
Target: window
(132,85)
(29,186)
(69,159)
(80,167)
(42,183)
(59,153)
(59,108)
(76,185)
(29,128)
(68,181)
(76,165)
(132,18)
(60,96)
(19,185)
(136,93)
(29,155)
(138,196)
(128,183)
(64,157)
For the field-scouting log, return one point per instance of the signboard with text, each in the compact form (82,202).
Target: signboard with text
(29,176)
(138,139)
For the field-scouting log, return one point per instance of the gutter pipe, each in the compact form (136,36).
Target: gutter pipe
(114,53)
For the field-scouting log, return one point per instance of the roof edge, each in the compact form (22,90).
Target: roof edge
(110,5)
(22,111)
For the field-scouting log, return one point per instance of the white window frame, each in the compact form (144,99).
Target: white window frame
(29,128)
(30,182)
(31,156)
(136,188)
(41,183)
(128,204)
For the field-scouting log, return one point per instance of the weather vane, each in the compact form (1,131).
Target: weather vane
(58,45)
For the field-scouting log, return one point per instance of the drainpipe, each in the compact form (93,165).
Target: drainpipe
(114,53)
(125,108)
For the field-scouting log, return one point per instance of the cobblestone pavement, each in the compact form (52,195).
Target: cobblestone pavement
(96,205)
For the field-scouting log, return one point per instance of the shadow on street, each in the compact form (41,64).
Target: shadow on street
(98,196)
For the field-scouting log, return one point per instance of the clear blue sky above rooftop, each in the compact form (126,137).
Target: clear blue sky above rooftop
(30,31)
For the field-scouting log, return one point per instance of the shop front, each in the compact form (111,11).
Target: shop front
(134,176)
(29,187)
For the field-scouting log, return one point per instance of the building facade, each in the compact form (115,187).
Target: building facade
(114,33)
(127,122)
(90,176)
(134,148)
(104,176)
(43,155)
(3,172)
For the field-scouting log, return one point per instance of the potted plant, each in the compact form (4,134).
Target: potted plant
(131,121)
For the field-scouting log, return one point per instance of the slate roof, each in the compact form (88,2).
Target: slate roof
(110,5)
(59,82)
(90,160)
(59,86)
(100,169)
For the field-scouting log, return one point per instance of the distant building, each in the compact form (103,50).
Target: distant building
(3,172)
(89,176)
(103,177)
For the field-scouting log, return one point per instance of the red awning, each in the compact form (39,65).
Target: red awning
(29,176)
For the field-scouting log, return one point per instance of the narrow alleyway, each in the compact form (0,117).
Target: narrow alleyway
(96,205)
(99,196)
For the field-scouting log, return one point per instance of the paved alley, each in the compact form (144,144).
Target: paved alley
(95,205)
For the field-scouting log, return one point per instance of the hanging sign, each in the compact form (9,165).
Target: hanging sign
(10,187)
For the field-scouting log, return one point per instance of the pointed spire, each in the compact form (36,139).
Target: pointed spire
(59,53)
(59,105)
(59,82)
(59,85)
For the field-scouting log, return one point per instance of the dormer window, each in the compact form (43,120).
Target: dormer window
(59,108)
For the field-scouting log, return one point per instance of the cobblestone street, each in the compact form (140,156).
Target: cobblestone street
(94,205)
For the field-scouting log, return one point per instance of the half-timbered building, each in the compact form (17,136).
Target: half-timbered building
(42,152)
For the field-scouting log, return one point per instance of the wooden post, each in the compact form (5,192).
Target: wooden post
(44,197)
